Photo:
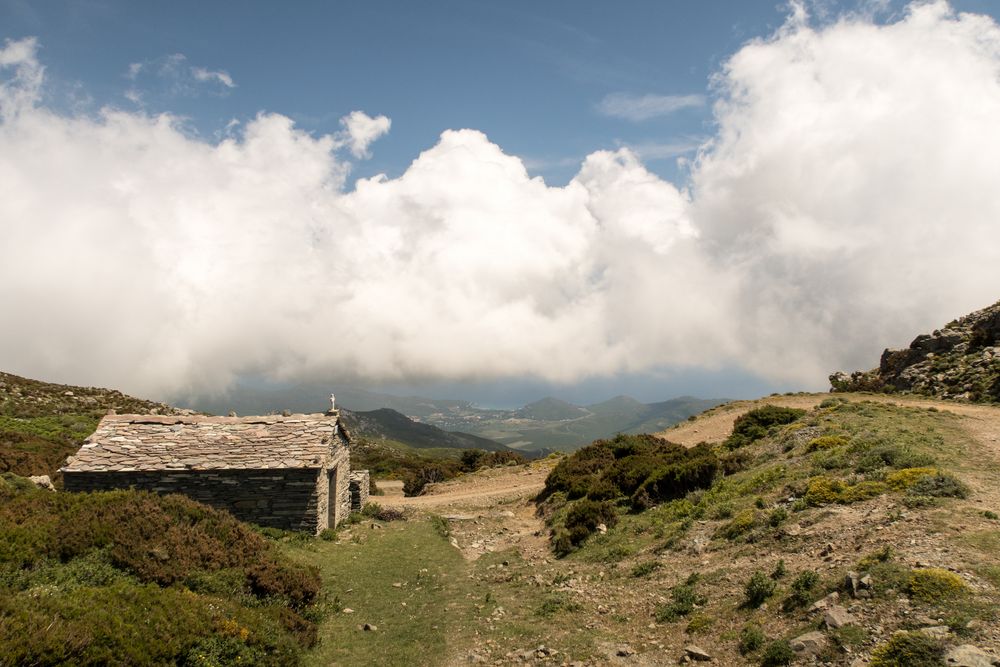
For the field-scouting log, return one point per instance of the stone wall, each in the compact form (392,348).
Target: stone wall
(285,498)
(341,463)
(360,487)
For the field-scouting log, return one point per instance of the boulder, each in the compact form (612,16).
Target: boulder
(837,617)
(968,655)
(811,643)
(697,653)
(937,631)
(825,603)
(42,482)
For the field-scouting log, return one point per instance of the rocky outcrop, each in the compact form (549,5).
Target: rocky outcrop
(960,361)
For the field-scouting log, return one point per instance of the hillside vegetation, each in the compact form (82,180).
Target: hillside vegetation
(42,423)
(130,578)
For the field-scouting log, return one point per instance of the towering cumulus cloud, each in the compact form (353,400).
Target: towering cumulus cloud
(848,198)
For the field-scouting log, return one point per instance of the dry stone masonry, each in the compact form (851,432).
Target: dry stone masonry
(290,472)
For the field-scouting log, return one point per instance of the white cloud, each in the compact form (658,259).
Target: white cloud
(643,107)
(360,130)
(218,76)
(171,76)
(21,90)
(846,202)
(651,151)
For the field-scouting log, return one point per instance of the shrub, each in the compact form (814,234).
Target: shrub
(908,649)
(754,425)
(825,442)
(802,590)
(883,555)
(939,485)
(758,589)
(777,517)
(779,570)
(698,623)
(824,490)
(777,654)
(934,584)
(752,638)
(739,525)
(902,480)
(644,569)
(894,456)
(581,522)
(376,511)
(683,599)
(158,539)
(642,468)
(414,481)
(556,603)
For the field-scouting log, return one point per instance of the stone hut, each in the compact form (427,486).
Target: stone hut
(290,472)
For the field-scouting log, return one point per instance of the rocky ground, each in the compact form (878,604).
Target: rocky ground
(959,361)
(613,620)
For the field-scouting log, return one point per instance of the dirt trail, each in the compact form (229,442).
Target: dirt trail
(716,424)
(488,511)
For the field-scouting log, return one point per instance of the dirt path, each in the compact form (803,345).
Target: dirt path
(982,423)
(488,511)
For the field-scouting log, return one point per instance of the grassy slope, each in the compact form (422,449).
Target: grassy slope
(688,536)
(430,605)
(133,578)
(42,423)
(415,619)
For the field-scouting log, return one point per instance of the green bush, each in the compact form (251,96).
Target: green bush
(758,589)
(752,638)
(908,649)
(683,599)
(644,569)
(777,654)
(933,584)
(822,490)
(801,594)
(939,485)
(740,524)
(642,468)
(826,442)
(581,522)
(755,424)
(893,456)
(136,624)
(699,623)
(128,577)
(415,481)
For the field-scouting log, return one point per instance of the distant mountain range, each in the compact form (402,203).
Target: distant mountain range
(555,424)
(387,424)
(549,423)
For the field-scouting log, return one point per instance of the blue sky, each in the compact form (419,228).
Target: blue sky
(531,75)
(739,196)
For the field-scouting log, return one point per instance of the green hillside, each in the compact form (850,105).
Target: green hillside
(41,423)
(387,424)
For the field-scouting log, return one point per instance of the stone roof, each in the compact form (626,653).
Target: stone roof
(126,443)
